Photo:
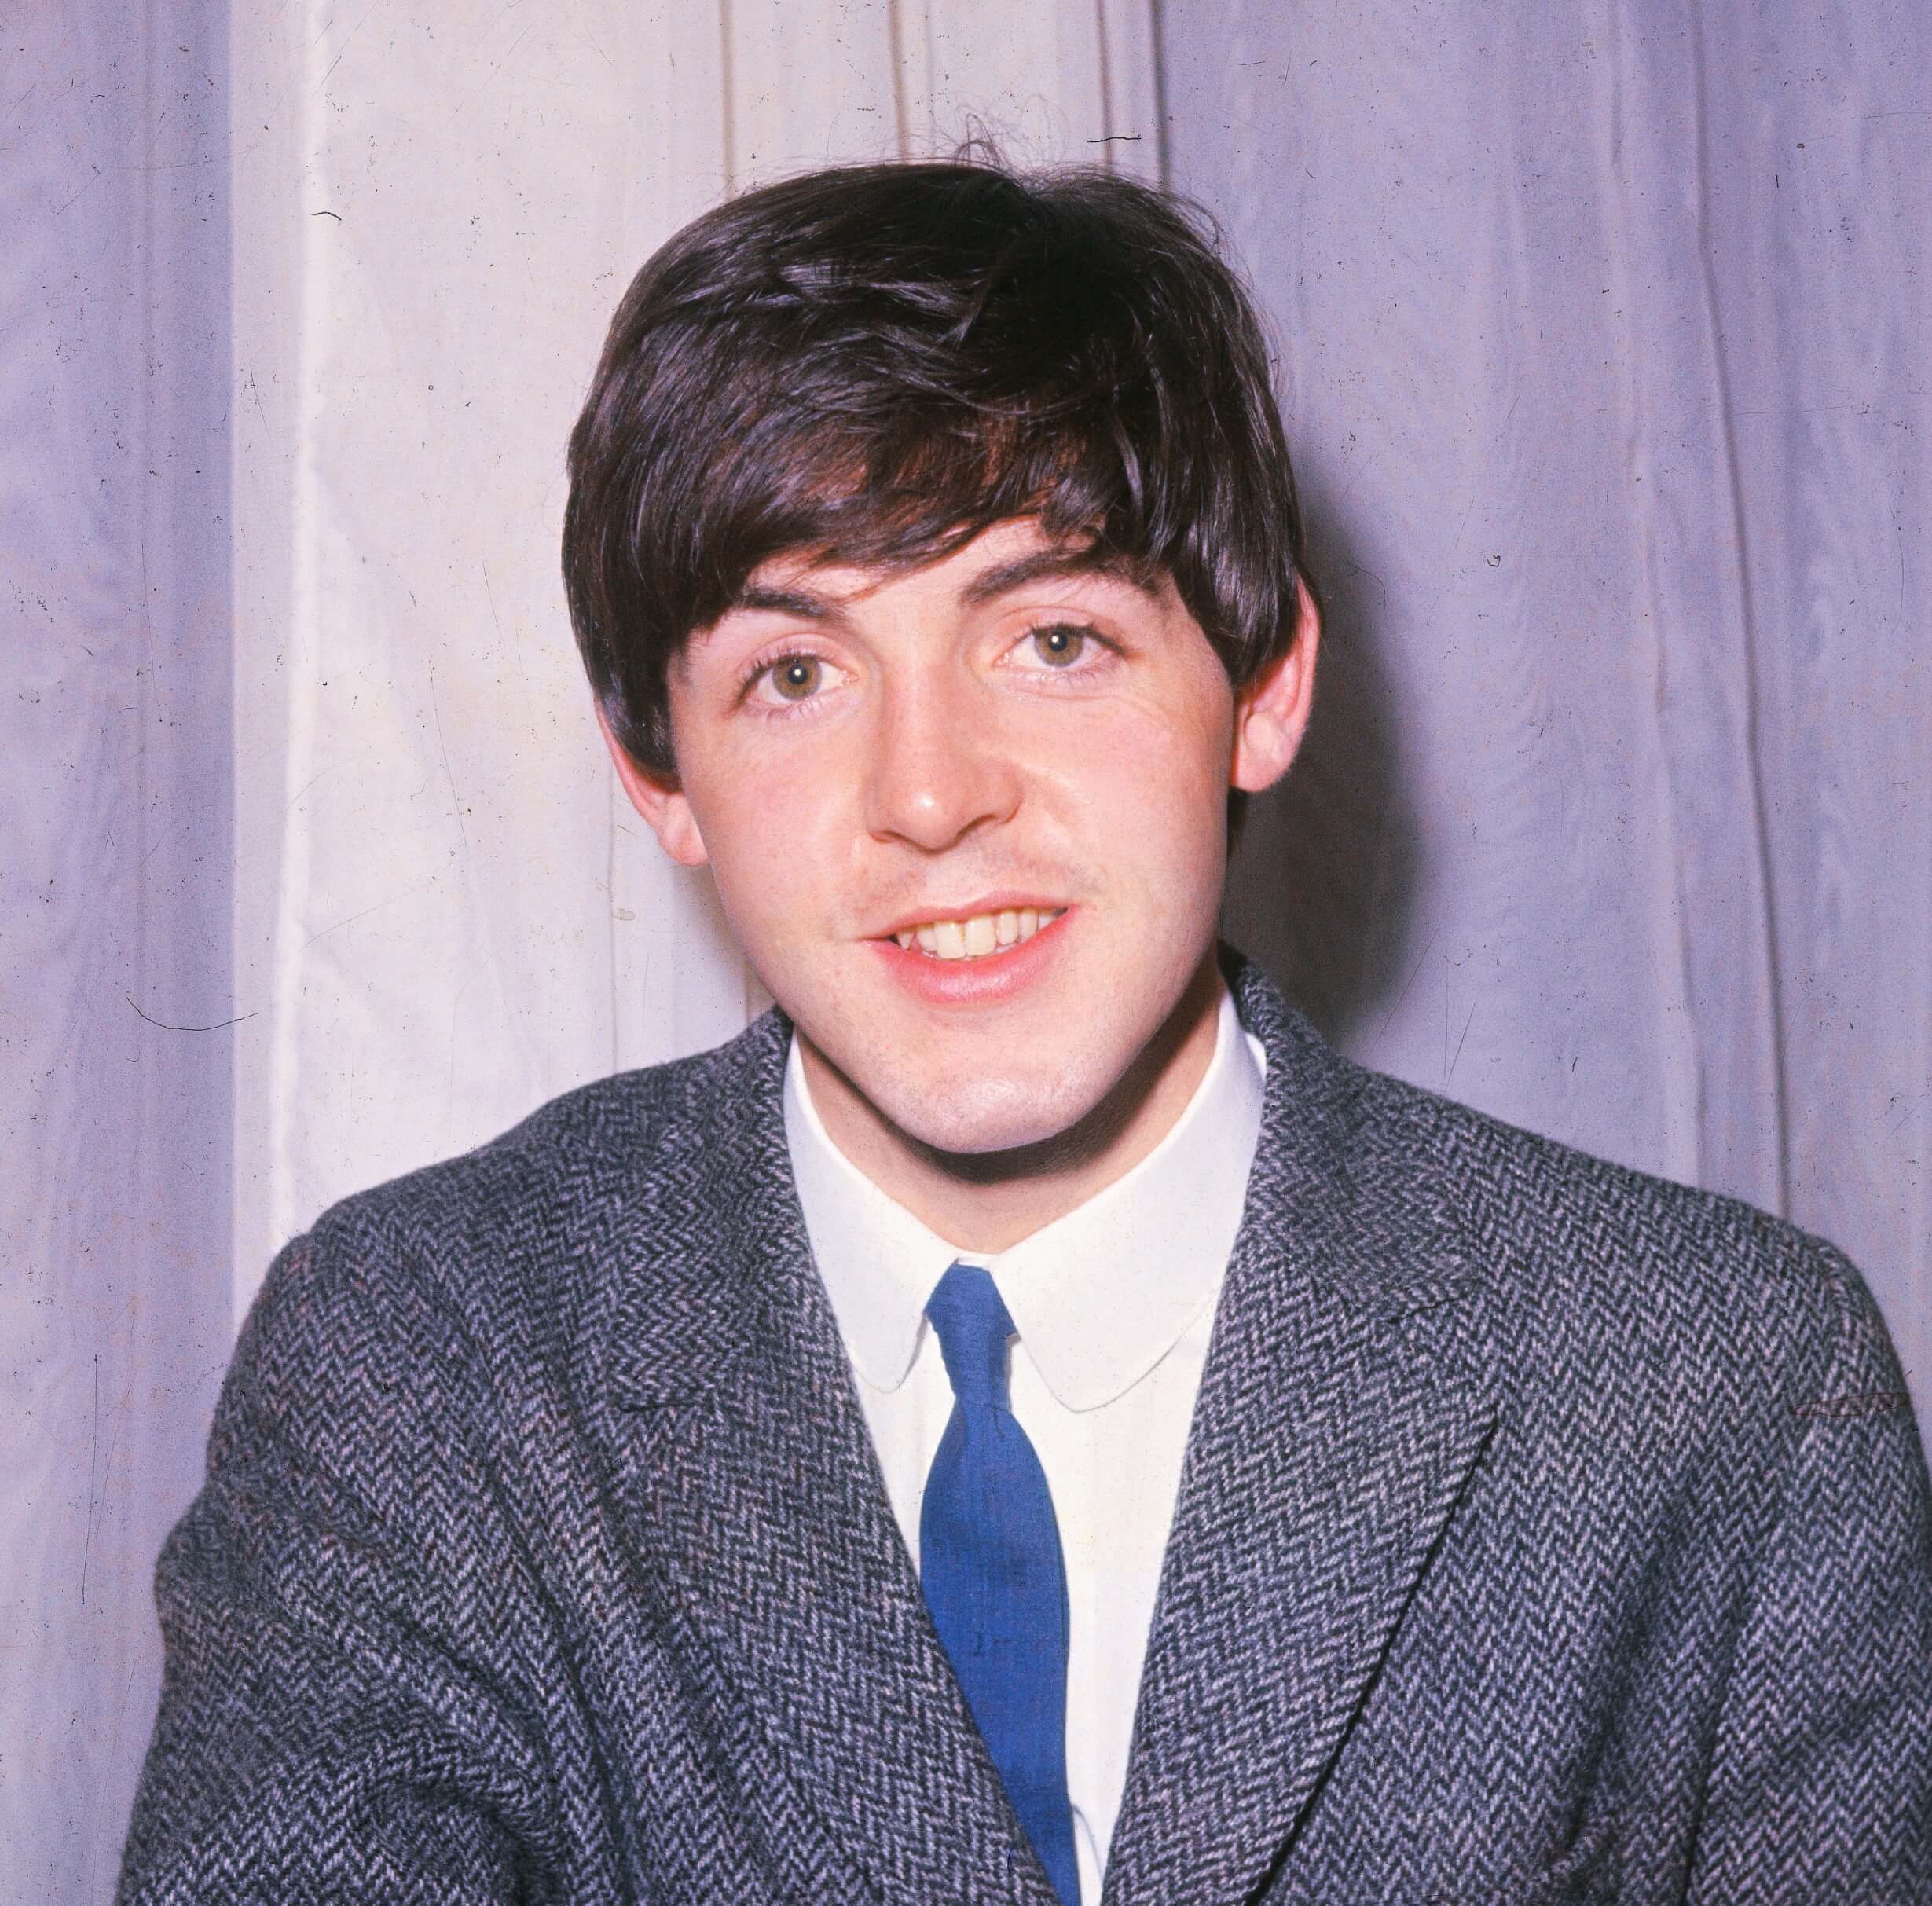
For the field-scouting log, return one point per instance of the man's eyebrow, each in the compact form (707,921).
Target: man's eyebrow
(1000,579)
(1005,576)
(785,602)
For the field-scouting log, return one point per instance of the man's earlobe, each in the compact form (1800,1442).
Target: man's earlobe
(1271,712)
(661,801)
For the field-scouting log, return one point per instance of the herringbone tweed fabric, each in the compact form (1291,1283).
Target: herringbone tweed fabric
(1548,1534)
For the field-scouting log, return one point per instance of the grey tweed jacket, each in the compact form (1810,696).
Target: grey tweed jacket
(1548,1534)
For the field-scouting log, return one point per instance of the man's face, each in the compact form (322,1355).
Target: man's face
(950,753)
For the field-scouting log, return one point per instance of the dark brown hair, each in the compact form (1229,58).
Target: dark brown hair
(875,363)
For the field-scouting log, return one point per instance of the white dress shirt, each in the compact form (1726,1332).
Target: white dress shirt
(1113,1304)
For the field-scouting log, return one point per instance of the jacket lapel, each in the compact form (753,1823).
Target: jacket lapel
(765,1514)
(1345,1400)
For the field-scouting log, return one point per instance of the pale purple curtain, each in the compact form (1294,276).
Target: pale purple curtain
(1603,330)
(116,846)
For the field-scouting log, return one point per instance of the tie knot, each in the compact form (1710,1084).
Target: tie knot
(967,1312)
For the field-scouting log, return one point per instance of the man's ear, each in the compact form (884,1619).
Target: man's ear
(661,802)
(1271,712)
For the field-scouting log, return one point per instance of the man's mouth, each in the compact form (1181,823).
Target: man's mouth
(978,935)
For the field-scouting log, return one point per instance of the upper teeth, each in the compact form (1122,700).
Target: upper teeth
(985,932)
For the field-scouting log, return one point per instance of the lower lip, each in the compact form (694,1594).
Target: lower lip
(987,980)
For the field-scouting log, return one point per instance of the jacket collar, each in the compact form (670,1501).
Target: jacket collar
(1344,1402)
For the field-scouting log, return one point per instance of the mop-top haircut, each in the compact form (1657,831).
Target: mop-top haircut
(872,363)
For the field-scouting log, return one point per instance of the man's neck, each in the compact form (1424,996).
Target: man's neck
(986,1202)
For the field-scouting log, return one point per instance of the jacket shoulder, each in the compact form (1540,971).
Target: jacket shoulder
(537,1194)
(1627,1266)
(422,1302)
(565,1149)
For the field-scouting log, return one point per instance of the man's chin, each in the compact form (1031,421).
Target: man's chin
(1017,1127)
(992,1116)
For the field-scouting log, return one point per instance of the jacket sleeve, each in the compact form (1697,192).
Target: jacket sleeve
(332,1724)
(1820,1786)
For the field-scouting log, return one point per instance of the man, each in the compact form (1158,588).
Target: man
(1024,1419)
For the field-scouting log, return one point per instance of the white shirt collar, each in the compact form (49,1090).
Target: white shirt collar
(1099,1296)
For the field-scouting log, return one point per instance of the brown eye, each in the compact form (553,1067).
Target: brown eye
(797,676)
(1059,642)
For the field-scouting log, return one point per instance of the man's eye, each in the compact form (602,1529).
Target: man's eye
(1060,644)
(793,678)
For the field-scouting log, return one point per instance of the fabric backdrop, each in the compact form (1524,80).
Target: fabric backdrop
(115,895)
(1603,336)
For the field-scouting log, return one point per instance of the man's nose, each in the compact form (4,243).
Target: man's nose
(939,767)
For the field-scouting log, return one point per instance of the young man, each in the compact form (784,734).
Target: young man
(1025,1416)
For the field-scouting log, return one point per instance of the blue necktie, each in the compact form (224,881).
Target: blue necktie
(990,1564)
